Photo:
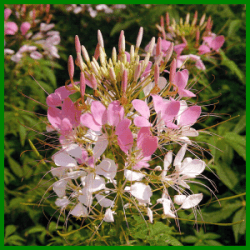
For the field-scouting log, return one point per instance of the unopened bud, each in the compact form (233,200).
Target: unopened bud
(137,72)
(47,8)
(172,71)
(97,51)
(82,85)
(195,18)
(197,38)
(112,74)
(77,44)
(151,45)
(124,80)
(202,19)
(169,52)
(100,38)
(167,19)
(114,55)
(85,54)
(121,44)
(93,66)
(187,18)
(71,67)
(158,47)
(181,21)
(132,53)
(159,58)
(156,74)
(139,38)
(33,15)
(162,23)
(93,81)
(82,65)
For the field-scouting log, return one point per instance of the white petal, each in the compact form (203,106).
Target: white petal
(104,202)
(150,214)
(192,201)
(133,176)
(180,155)
(190,132)
(64,160)
(79,210)
(166,208)
(167,162)
(76,174)
(59,172)
(179,199)
(183,107)
(148,88)
(94,183)
(100,146)
(107,168)
(86,197)
(74,150)
(194,168)
(141,192)
(108,217)
(158,168)
(59,187)
(62,202)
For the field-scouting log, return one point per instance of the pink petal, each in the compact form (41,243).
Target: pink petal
(54,117)
(63,92)
(53,100)
(185,93)
(181,78)
(25,27)
(115,113)
(200,65)
(7,13)
(140,121)
(124,124)
(125,140)
(87,120)
(99,112)
(208,40)
(190,116)
(179,48)
(66,126)
(217,42)
(128,56)
(158,103)
(10,28)
(165,45)
(203,49)
(69,110)
(36,55)
(141,107)
(170,110)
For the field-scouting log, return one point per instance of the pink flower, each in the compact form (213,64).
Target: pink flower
(25,27)
(36,55)
(211,43)
(7,13)
(179,48)
(199,64)
(10,28)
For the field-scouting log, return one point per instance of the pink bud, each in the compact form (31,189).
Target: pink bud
(197,37)
(41,7)
(47,8)
(93,81)
(167,19)
(77,44)
(162,22)
(137,72)
(124,80)
(71,67)
(172,71)
(208,23)
(34,15)
(157,74)
(82,84)
(121,43)
(139,38)
(7,13)
(97,51)
(169,52)
(25,27)
(158,47)
(24,8)
(100,38)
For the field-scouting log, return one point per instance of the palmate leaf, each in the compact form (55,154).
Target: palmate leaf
(239,228)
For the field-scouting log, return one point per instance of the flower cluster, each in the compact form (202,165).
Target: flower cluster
(191,39)
(126,115)
(26,37)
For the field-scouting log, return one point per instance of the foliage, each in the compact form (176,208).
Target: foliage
(27,222)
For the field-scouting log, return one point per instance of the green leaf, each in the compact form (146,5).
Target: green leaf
(10,229)
(226,174)
(50,75)
(15,167)
(22,133)
(122,26)
(33,230)
(15,240)
(233,27)
(241,125)
(232,66)
(237,142)
(190,239)
(241,227)
(211,236)
(213,243)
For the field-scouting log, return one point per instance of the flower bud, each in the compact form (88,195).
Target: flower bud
(100,38)
(172,71)
(85,54)
(71,67)
(137,72)
(124,80)
(121,44)
(202,19)
(139,38)
(156,74)
(82,85)
(77,44)
(187,18)
(195,18)
(93,81)
(47,8)
(158,47)
(114,55)
(169,52)
(151,45)
(167,19)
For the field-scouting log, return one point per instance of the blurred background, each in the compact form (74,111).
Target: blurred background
(28,223)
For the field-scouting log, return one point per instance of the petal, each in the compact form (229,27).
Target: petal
(141,192)
(86,198)
(123,125)
(141,121)
(190,116)
(185,93)
(148,143)
(54,100)
(170,110)
(99,112)
(108,217)
(133,176)
(158,103)
(74,150)
(168,160)
(125,140)
(141,107)
(181,78)
(180,155)
(79,210)
(107,168)
(64,160)
(66,126)
(59,188)
(179,199)
(194,168)
(192,201)
(87,120)
(150,214)
(217,42)
(100,146)
(94,184)
(62,202)
(190,132)
(203,49)
(104,202)
(54,117)
(115,113)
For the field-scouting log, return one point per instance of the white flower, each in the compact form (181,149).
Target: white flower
(79,211)
(108,217)
(187,202)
